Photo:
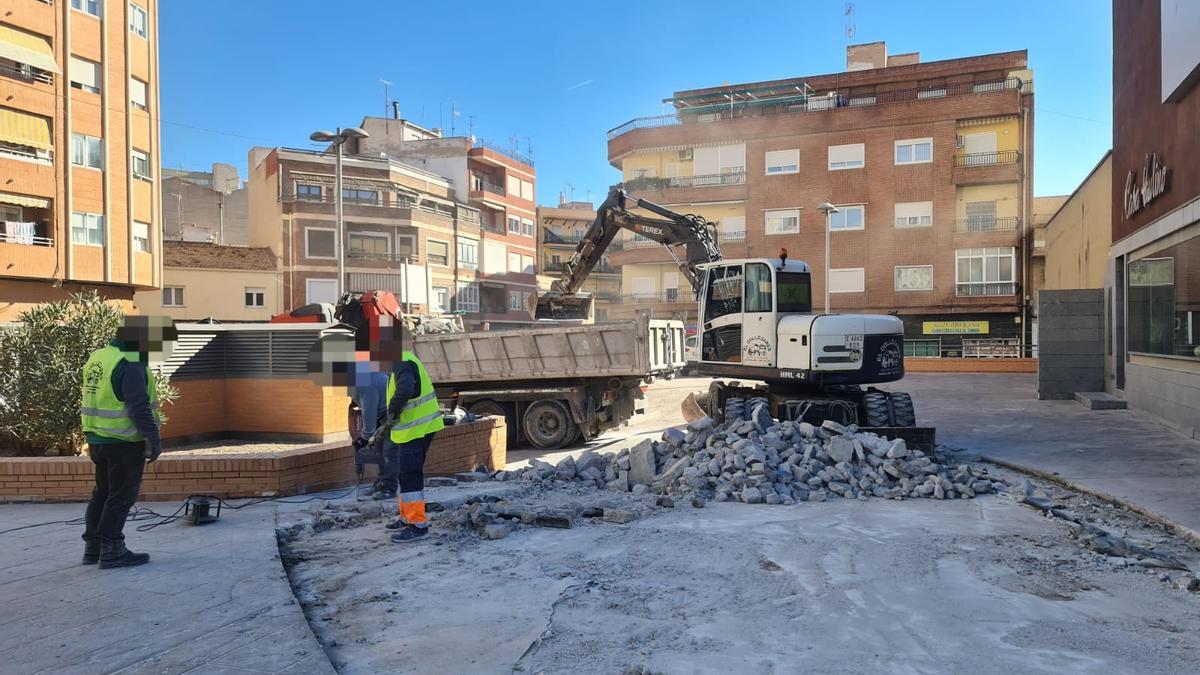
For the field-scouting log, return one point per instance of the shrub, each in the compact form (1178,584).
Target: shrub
(41,361)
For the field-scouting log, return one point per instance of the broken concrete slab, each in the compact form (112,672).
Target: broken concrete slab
(1100,400)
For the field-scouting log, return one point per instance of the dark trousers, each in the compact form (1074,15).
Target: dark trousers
(118,478)
(389,471)
(410,461)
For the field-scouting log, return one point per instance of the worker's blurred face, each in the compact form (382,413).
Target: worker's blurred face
(152,337)
(386,342)
(331,361)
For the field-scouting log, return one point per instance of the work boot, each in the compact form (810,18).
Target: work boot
(116,555)
(91,552)
(384,493)
(369,491)
(396,524)
(410,533)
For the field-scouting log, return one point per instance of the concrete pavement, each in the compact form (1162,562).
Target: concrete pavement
(213,599)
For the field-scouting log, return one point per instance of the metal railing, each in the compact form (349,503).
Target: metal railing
(729,237)
(986,224)
(25,72)
(395,203)
(669,295)
(709,180)
(821,102)
(558,267)
(984,289)
(508,152)
(969,348)
(561,238)
(627,244)
(987,158)
(488,187)
(24,239)
(409,258)
(26,153)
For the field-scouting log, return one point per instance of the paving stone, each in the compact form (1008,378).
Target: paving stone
(619,516)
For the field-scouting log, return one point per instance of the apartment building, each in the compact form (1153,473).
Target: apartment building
(205,206)
(929,165)
(497,182)
(209,281)
(79,150)
(561,229)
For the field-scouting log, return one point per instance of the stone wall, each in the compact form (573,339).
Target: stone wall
(1070,342)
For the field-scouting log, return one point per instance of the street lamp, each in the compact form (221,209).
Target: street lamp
(827,209)
(339,244)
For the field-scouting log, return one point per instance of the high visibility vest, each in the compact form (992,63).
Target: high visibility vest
(102,412)
(420,416)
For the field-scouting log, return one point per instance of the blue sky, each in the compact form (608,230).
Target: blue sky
(558,75)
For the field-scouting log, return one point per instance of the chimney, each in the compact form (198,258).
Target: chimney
(866,57)
(395,110)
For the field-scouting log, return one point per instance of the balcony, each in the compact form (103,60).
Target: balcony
(669,296)
(486,191)
(985,289)
(721,186)
(370,256)
(982,168)
(986,224)
(602,268)
(507,152)
(324,203)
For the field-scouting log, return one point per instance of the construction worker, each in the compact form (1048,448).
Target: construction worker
(368,390)
(120,421)
(416,417)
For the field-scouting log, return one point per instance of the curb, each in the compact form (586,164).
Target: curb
(1167,524)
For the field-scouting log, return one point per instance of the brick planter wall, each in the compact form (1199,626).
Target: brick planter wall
(915,364)
(305,470)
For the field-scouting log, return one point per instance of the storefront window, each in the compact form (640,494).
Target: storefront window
(1163,299)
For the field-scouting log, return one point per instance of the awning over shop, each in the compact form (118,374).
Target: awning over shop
(22,200)
(27,48)
(22,129)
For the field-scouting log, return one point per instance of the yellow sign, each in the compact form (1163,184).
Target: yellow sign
(954,327)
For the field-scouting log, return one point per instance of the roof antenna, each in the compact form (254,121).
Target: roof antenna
(849,21)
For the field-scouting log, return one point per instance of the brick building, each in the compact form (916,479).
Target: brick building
(79,151)
(928,163)
(561,229)
(207,206)
(209,281)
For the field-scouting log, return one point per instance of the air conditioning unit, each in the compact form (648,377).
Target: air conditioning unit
(685,155)
(960,141)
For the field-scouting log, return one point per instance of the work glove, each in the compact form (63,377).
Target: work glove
(359,443)
(152,451)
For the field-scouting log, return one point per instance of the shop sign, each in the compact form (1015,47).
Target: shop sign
(954,327)
(1154,183)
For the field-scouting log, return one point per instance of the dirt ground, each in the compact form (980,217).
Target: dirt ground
(234,447)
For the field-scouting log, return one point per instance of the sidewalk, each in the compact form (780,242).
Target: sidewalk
(213,599)
(1120,453)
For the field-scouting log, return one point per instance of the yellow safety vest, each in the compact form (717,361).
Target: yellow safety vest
(420,416)
(104,414)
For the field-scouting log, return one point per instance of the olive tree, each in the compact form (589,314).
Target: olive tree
(41,362)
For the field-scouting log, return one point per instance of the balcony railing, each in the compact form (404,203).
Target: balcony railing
(668,295)
(627,244)
(508,152)
(394,203)
(731,237)
(987,158)
(7,237)
(815,103)
(602,268)
(409,258)
(562,238)
(981,289)
(25,72)
(26,152)
(986,224)
(709,180)
(488,187)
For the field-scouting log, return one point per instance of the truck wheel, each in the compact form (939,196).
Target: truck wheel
(649,379)
(548,425)
(670,375)
(497,409)
(735,410)
(903,411)
(875,403)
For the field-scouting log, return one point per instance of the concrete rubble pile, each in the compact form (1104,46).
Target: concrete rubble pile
(761,460)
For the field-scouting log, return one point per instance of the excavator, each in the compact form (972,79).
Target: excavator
(756,322)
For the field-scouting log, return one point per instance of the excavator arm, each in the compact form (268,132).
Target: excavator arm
(670,229)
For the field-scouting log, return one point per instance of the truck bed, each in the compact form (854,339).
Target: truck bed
(561,351)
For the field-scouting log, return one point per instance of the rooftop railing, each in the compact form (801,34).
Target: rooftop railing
(507,152)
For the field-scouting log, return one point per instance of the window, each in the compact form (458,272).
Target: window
(87,228)
(527,264)
(86,151)
(783,221)
(318,243)
(795,292)
(438,252)
(90,6)
(514,300)
(914,151)
(1163,301)
(321,290)
(172,296)
(849,280)
(527,227)
(931,348)
(783,161)
(514,186)
(468,254)
(514,262)
(141,165)
(494,258)
(358,196)
(141,237)
(309,193)
(852,156)
(724,292)
(733,228)
(985,271)
(514,225)
(85,75)
(935,92)
(406,246)
(137,20)
(758,288)
(981,216)
(847,218)
(643,173)
(526,190)
(440,302)
(137,93)
(255,297)
(12,214)
(914,278)
(467,297)
(369,245)
(914,214)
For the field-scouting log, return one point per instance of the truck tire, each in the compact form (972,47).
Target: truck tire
(735,410)
(903,412)
(548,425)
(875,405)
(496,409)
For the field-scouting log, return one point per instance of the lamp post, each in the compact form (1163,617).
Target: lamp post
(827,209)
(339,243)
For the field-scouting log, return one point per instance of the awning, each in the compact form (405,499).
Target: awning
(22,129)
(22,200)
(27,48)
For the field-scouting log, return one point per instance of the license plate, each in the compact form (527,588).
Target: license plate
(854,342)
